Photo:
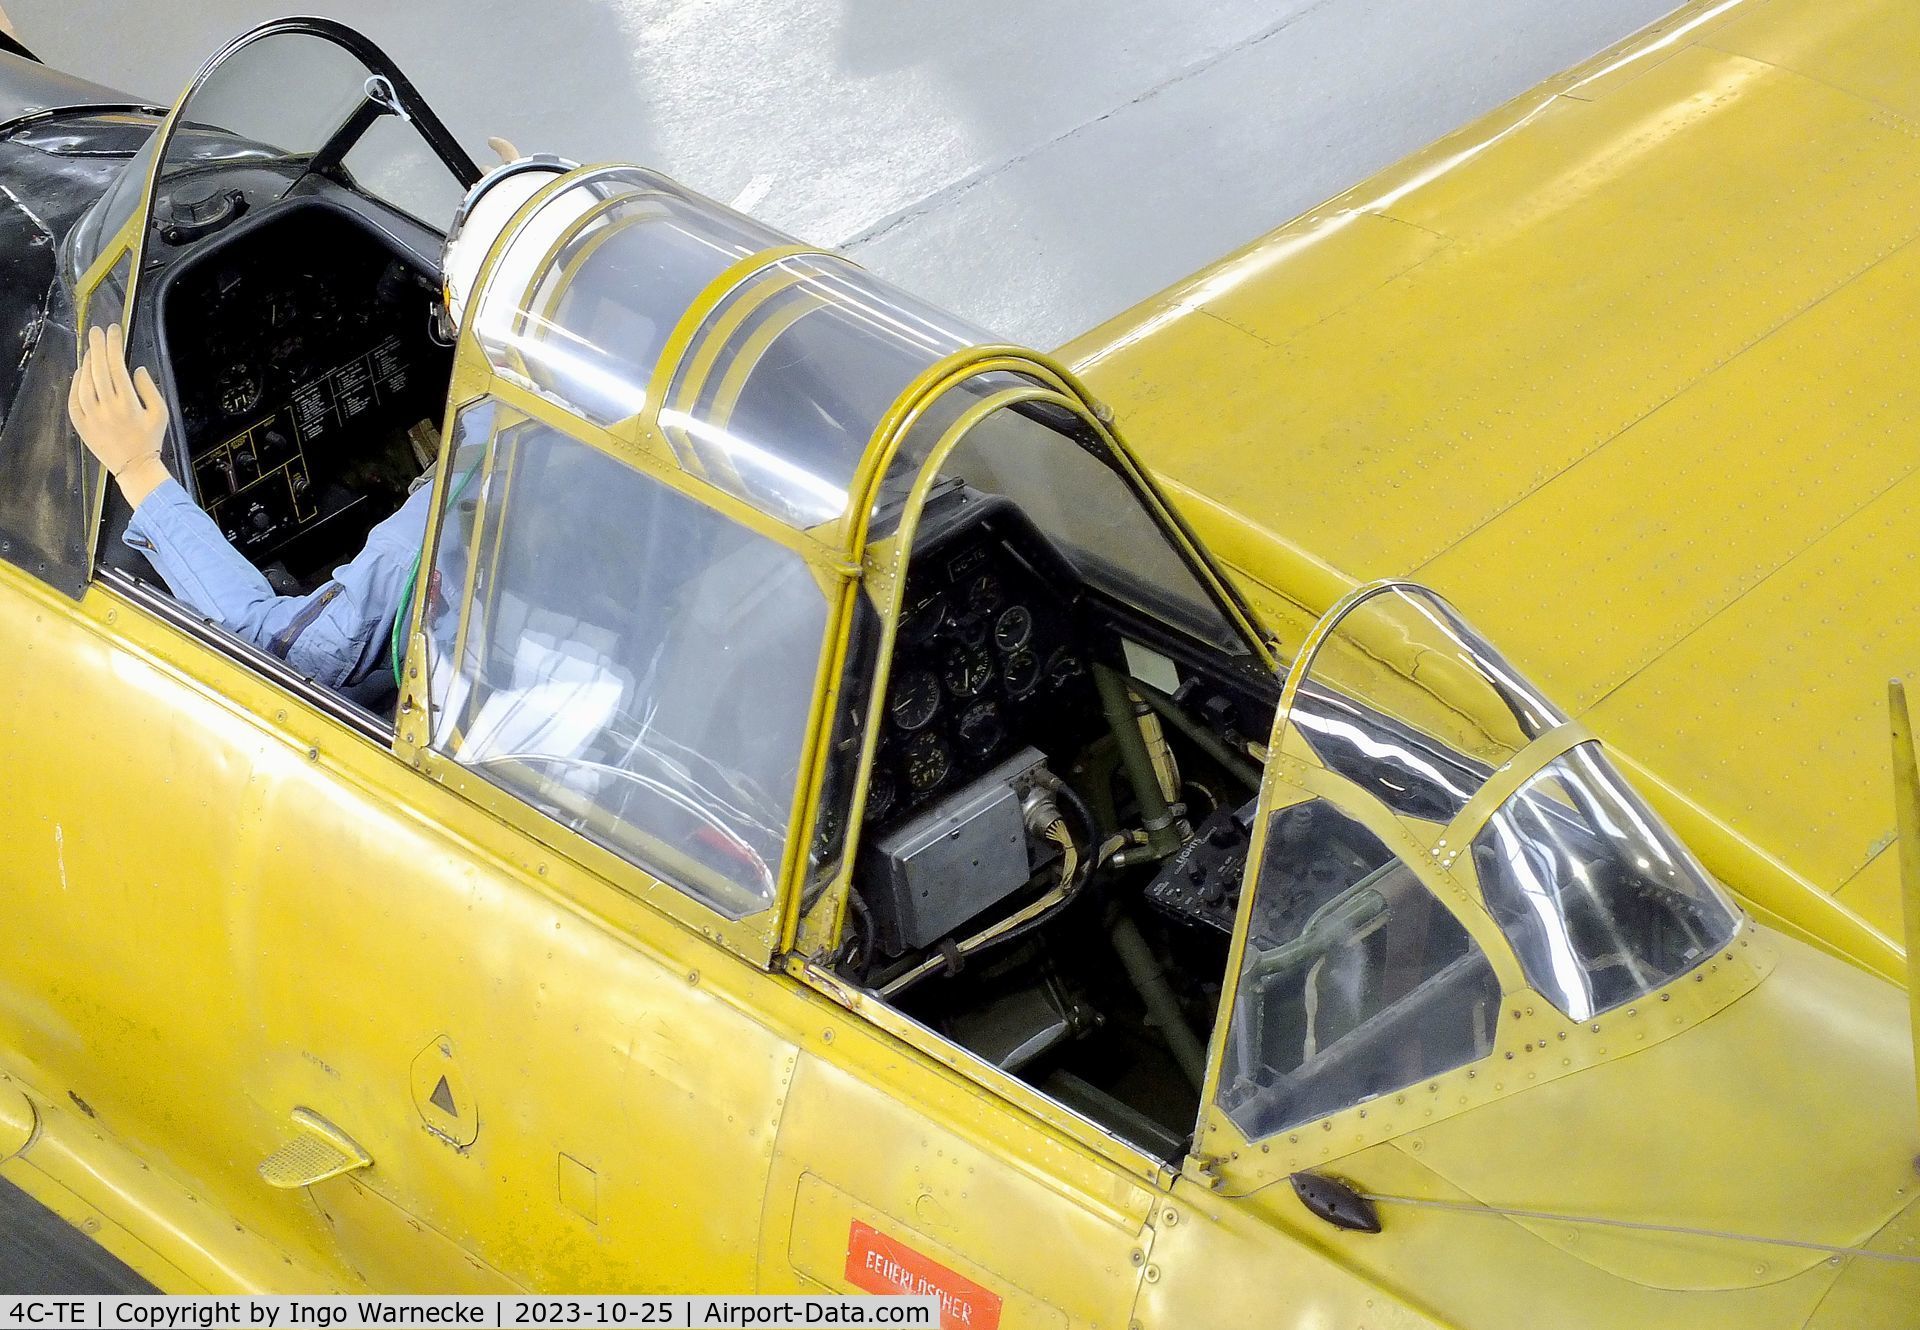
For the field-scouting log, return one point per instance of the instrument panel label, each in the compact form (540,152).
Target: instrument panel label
(879,1264)
(350,391)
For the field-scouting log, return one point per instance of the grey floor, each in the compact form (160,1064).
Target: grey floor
(1037,167)
(40,1254)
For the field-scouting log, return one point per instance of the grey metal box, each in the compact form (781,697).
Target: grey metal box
(954,859)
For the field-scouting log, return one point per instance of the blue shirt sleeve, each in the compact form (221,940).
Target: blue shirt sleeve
(334,635)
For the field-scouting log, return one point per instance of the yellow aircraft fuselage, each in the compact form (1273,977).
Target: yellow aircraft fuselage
(271,912)
(230,921)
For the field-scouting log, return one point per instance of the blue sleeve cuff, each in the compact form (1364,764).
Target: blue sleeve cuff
(168,494)
(185,546)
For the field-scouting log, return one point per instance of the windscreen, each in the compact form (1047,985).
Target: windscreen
(258,117)
(283,95)
(1599,899)
(1409,703)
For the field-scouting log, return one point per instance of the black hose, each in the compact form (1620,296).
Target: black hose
(1071,797)
(863,938)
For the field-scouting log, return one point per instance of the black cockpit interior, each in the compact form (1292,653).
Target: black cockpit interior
(290,329)
(1086,961)
(306,383)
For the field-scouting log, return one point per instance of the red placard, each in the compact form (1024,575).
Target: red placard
(878,1264)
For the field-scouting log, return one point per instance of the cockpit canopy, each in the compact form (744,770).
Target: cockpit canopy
(777,383)
(764,417)
(688,466)
(680,438)
(1599,900)
(803,610)
(286,99)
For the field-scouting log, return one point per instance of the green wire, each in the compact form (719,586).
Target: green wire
(400,618)
(398,635)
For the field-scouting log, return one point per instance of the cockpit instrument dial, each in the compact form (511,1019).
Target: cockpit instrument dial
(969,669)
(882,794)
(1012,629)
(238,391)
(1063,667)
(927,761)
(916,697)
(922,618)
(981,729)
(1020,672)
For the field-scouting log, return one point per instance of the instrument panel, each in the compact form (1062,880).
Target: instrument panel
(297,351)
(986,660)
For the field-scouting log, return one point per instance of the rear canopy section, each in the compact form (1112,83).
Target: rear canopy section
(745,361)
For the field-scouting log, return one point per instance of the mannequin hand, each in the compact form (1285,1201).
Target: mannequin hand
(122,420)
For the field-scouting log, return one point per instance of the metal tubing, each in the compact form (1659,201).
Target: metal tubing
(1163,1008)
(1200,737)
(1117,701)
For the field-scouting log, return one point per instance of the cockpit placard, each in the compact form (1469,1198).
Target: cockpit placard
(368,381)
(254,482)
